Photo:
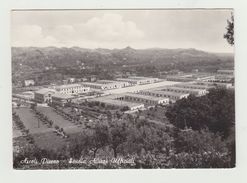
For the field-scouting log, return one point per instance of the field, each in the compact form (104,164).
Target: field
(30,120)
(44,137)
(58,120)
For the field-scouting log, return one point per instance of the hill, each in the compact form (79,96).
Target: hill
(52,56)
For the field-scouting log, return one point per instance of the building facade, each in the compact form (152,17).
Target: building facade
(173,96)
(193,86)
(147,100)
(44,95)
(177,89)
(105,84)
(227,72)
(72,89)
(135,80)
(61,99)
(118,103)
(28,82)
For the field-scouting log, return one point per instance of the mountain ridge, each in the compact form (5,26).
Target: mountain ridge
(71,56)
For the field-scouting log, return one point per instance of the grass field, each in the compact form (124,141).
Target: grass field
(58,119)
(68,126)
(30,121)
(44,137)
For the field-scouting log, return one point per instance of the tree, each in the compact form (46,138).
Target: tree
(118,135)
(98,138)
(229,35)
(148,139)
(215,111)
(33,106)
(190,141)
(125,108)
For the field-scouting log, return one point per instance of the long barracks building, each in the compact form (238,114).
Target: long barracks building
(173,96)
(72,89)
(193,86)
(105,84)
(138,80)
(197,92)
(147,100)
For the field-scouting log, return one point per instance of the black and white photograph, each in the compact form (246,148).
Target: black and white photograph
(123,88)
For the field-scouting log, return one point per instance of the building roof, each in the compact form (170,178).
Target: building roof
(167,93)
(136,78)
(125,79)
(225,70)
(109,82)
(93,84)
(212,83)
(62,96)
(116,102)
(141,78)
(193,85)
(68,86)
(145,97)
(105,81)
(184,89)
(45,91)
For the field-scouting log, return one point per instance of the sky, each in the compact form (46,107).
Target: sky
(139,29)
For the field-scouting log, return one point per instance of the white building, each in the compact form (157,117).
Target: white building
(227,72)
(147,100)
(44,95)
(177,89)
(216,84)
(105,84)
(135,80)
(118,103)
(29,82)
(173,96)
(72,89)
(61,99)
(193,86)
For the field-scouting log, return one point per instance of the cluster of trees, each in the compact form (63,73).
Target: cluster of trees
(206,122)
(229,35)
(20,125)
(60,131)
(215,111)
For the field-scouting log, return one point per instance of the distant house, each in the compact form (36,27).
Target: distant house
(227,72)
(71,80)
(44,95)
(92,78)
(65,81)
(28,82)
(72,89)
(83,79)
(195,70)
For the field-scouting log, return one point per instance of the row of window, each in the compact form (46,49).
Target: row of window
(144,100)
(163,95)
(69,89)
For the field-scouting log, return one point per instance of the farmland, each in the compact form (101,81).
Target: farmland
(30,120)
(44,137)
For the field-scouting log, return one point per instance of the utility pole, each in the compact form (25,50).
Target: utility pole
(38,123)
